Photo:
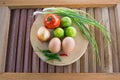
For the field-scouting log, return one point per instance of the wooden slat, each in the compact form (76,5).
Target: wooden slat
(117,16)
(76,67)
(82,63)
(59,69)
(91,54)
(68,69)
(12,41)
(4,29)
(43,67)
(21,41)
(58,76)
(48,3)
(114,40)
(99,39)
(108,50)
(86,62)
(51,68)
(35,63)
(65,69)
(28,47)
(90,57)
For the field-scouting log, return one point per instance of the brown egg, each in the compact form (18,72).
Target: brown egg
(43,34)
(68,44)
(54,45)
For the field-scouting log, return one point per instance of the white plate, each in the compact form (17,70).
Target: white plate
(79,50)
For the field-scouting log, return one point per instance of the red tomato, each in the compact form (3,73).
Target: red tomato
(51,21)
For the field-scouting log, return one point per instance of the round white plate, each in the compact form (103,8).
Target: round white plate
(79,50)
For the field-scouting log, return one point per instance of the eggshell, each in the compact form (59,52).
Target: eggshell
(54,45)
(68,44)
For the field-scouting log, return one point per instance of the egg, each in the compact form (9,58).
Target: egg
(43,34)
(54,45)
(68,44)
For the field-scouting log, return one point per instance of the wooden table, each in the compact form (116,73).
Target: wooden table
(17,55)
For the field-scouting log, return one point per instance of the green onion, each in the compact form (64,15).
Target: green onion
(50,55)
(80,20)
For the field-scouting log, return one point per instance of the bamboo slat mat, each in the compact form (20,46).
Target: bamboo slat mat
(22,58)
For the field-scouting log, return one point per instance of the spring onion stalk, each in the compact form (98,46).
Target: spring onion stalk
(50,55)
(80,21)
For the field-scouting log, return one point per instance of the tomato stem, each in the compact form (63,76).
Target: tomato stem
(49,18)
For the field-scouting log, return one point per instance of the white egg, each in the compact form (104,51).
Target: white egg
(68,44)
(54,45)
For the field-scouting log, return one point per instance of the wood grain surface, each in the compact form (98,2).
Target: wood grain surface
(91,55)
(114,40)
(99,39)
(4,29)
(65,3)
(59,76)
(13,37)
(107,50)
(28,48)
(17,54)
(117,17)
(21,41)
(24,59)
